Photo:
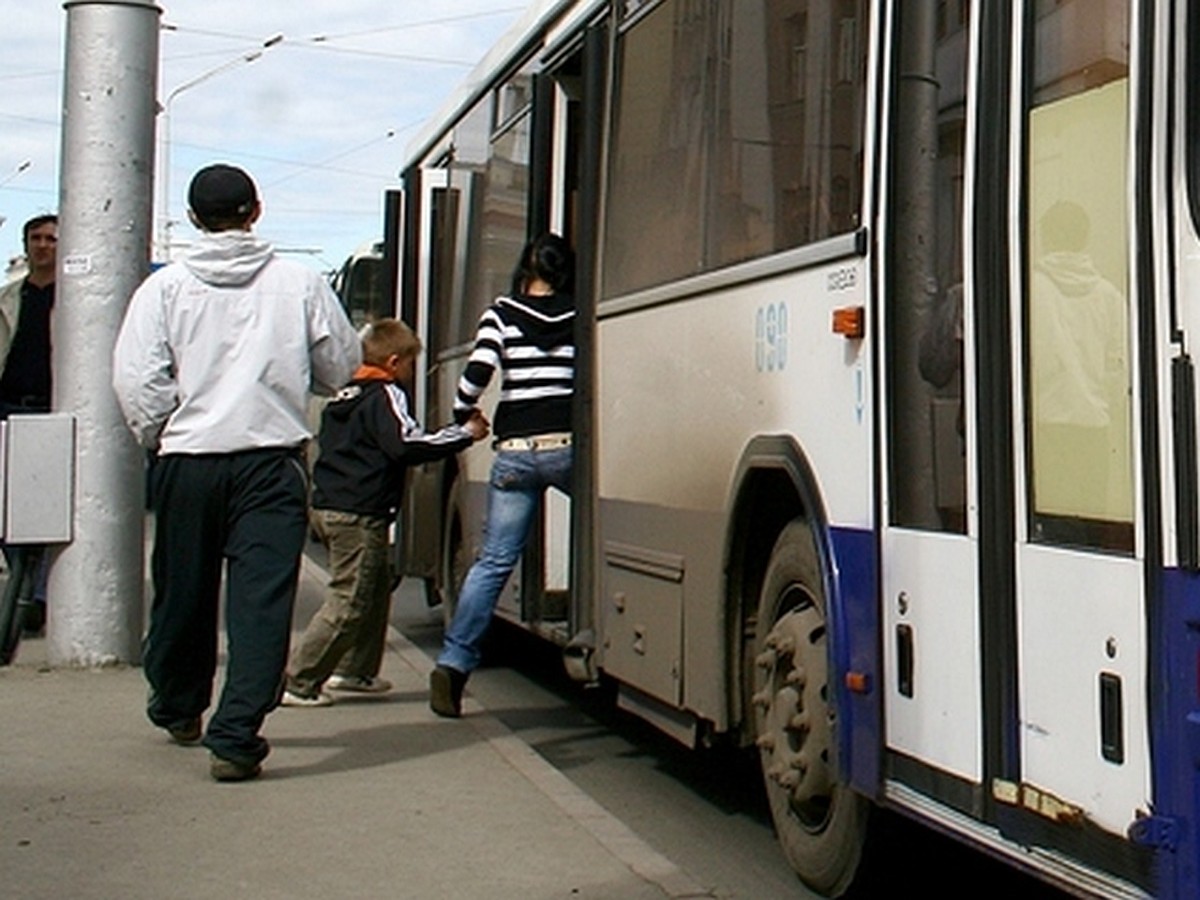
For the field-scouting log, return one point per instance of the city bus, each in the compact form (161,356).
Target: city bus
(359,284)
(886,418)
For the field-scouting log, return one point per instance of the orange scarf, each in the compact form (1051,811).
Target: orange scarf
(369,372)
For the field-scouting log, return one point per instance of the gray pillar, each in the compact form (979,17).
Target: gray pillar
(111,75)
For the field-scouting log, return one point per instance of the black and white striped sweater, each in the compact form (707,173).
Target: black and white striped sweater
(532,341)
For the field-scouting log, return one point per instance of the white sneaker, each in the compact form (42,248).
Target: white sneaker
(290,699)
(359,684)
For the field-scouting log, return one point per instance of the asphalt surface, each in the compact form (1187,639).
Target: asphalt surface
(372,797)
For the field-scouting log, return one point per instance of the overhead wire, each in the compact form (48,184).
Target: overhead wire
(445,20)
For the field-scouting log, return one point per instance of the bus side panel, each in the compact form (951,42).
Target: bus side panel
(1176,743)
(683,389)
(685,386)
(658,605)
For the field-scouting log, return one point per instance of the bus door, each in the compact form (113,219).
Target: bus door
(433,233)
(1012,573)
(929,567)
(1080,581)
(434,279)
(565,135)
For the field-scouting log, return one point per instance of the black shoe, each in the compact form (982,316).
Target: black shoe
(446,690)
(223,769)
(34,622)
(185,732)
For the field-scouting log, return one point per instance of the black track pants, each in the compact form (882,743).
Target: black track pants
(248,510)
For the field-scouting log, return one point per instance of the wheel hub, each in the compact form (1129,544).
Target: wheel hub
(795,729)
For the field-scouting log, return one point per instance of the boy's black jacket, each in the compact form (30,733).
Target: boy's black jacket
(367,440)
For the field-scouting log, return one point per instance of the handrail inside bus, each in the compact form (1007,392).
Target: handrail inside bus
(820,253)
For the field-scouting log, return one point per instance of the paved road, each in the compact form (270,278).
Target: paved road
(705,811)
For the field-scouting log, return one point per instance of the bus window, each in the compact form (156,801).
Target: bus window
(1192,120)
(444,329)
(1077,278)
(789,102)
(737,134)
(927,418)
(496,229)
(657,182)
(359,285)
(365,295)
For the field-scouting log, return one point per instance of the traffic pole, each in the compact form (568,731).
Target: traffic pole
(95,606)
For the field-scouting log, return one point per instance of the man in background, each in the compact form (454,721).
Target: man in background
(25,371)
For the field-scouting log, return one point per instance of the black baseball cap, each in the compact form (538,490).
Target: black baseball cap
(222,191)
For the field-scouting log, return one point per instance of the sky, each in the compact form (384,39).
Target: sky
(321,119)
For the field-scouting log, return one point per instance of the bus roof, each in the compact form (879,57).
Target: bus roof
(511,45)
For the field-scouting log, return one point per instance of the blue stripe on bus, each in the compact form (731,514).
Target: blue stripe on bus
(1175,735)
(853,618)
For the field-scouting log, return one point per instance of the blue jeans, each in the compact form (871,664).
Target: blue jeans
(519,477)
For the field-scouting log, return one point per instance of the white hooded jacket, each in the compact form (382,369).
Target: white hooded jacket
(1079,338)
(218,352)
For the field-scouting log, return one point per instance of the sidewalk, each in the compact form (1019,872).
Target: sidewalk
(372,797)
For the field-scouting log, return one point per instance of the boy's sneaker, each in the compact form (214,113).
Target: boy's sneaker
(319,699)
(359,684)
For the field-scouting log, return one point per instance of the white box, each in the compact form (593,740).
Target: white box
(39,478)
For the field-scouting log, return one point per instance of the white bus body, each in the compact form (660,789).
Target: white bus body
(886,421)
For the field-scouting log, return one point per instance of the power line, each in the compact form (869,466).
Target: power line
(316,42)
(380,54)
(318,45)
(33,120)
(285,210)
(391,133)
(443,21)
(183,29)
(348,51)
(16,189)
(41,73)
(322,166)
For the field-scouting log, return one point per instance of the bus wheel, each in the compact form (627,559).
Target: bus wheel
(455,560)
(821,823)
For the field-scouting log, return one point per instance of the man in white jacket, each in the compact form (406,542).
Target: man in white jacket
(212,369)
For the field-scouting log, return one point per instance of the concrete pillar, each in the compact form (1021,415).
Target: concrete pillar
(111,74)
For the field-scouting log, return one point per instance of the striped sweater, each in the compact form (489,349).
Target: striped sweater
(532,341)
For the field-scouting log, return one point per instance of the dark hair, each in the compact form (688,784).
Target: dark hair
(37,222)
(549,258)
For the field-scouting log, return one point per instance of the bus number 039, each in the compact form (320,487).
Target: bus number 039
(771,338)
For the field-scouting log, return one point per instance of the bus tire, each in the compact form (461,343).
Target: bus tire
(820,821)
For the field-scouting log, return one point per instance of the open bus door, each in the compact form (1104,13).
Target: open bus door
(557,574)
(431,211)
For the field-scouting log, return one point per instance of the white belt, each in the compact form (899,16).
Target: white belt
(536,442)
